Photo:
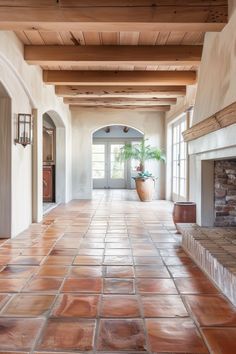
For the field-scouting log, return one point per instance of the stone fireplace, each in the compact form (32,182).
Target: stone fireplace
(213,177)
(225,192)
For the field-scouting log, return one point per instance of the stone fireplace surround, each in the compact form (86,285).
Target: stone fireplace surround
(225,192)
(212,182)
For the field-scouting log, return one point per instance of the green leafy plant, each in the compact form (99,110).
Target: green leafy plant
(141,152)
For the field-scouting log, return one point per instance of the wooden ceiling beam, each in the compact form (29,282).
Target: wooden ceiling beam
(121,91)
(115,55)
(113,78)
(136,108)
(120,101)
(113,15)
(111,3)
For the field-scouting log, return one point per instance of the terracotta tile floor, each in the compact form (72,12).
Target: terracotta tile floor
(109,275)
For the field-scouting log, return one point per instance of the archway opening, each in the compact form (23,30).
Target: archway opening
(54,164)
(5,164)
(107,172)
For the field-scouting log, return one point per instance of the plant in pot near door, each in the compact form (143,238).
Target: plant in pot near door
(142,152)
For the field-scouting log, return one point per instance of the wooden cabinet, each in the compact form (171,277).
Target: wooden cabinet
(48,184)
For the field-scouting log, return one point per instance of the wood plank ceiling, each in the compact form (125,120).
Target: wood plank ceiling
(137,54)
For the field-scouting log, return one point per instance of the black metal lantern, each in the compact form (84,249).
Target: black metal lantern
(24,131)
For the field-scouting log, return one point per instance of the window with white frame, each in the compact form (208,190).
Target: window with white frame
(179,161)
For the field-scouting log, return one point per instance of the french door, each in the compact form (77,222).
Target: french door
(179,161)
(106,170)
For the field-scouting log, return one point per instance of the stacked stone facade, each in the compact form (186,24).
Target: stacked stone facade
(225,192)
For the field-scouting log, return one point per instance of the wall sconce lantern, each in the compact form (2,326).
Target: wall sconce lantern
(24,129)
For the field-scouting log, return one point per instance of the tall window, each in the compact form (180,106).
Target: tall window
(98,160)
(179,160)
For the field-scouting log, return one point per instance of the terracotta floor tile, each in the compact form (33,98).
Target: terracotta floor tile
(118,260)
(84,264)
(118,252)
(86,271)
(60,260)
(87,285)
(147,260)
(4,260)
(163,306)
(88,260)
(14,352)
(145,253)
(28,305)
(119,245)
(220,340)
(31,260)
(121,335)
(174,336)
(35,251)
(19,334)
(119,272)
(120,306)
(167,245)
(187,271)
(172,252)
(91,252)
(47,285)
(112,239)
(163,238)
(92,245)
(3,299)
(12,284)
(178,260)
(211,310)
(158,286)
(52,271)
(152,271)
(64,252)
(118,286)
(71,305)
(195,286)
(17,271)
(60,334)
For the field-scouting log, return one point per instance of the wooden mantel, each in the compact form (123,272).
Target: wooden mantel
(221,119)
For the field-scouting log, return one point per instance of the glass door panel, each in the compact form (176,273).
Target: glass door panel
(117,169)
(179,161)
(99,165)
(107,172)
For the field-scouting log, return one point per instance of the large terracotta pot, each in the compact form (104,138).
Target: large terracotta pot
(145,188)
(184,212)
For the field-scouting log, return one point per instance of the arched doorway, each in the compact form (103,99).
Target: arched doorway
(5,163)
(107,172)
(54,164)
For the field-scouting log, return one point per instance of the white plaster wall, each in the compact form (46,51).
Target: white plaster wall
(217,84)
(27,91)
(85,122)
(216,90)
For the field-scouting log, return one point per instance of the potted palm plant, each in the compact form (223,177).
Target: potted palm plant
(142,152)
